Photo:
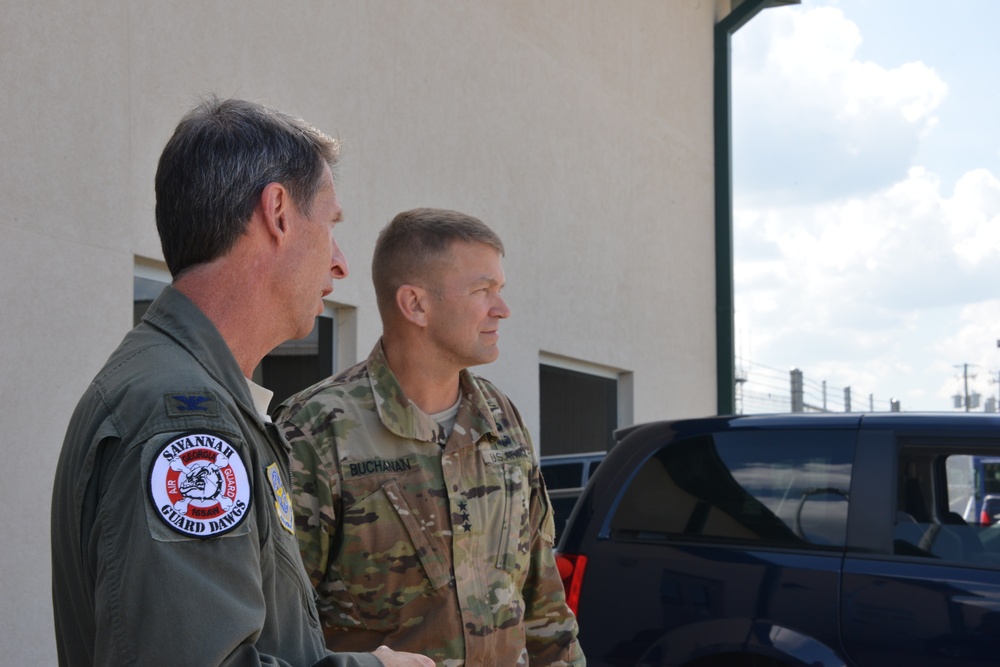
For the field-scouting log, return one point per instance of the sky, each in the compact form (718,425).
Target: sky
(866,172)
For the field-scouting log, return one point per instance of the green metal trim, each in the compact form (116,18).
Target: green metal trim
(725,354)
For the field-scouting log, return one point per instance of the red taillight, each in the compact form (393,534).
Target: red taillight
(984,519)
(571,569)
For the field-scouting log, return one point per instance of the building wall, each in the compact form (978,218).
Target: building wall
(581,131)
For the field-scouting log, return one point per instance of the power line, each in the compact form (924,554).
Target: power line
(761,388)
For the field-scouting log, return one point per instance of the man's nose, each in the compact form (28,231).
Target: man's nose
(338,267)
(500,309)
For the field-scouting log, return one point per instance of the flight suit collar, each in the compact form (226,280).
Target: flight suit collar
(178,317)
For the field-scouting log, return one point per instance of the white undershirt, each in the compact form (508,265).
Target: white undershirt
(261,398)
(446,418)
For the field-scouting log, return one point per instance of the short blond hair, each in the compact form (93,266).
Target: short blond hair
(414,241)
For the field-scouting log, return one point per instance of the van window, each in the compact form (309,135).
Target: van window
(943,508)
(780,488)
(990,470)
(563,475)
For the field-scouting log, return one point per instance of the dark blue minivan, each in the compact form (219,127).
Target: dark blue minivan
(808,540)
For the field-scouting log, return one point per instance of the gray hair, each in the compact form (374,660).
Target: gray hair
(215,166)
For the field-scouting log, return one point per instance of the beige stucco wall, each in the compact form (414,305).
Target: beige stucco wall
(582,131)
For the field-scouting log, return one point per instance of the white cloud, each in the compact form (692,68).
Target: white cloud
(796,83)
(903,247)
(850,288)
(913,90)
(854,262)
(973,217)
(975,344)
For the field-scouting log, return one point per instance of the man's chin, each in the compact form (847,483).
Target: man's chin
(304,329)
(487,357)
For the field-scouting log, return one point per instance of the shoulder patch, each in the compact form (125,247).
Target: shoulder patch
(199,485)
(282,503)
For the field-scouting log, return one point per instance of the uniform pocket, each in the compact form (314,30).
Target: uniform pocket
(511,553)
(386,559)
(289,565)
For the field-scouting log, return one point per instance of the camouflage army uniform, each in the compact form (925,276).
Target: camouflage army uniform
(432,545)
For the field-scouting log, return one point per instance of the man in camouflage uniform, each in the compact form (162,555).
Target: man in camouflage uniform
(421,513)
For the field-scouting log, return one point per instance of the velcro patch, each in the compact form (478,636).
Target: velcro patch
(199,486)
(282,503)
(378,466)
(188,403)
(495,457)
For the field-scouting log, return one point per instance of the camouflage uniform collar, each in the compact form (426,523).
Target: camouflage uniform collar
(403,418)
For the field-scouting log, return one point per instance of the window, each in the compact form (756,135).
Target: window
(780,488)
(563,475)
(569,471)
(581,406)
(945,507)
(290,367)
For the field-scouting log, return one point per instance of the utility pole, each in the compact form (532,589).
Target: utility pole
(798,400)
(965,375)
(967,400)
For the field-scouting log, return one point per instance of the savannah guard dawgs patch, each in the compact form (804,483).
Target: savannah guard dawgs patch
(199,485)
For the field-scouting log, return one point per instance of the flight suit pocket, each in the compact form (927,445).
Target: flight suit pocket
(289,573)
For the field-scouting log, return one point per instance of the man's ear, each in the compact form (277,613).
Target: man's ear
(275,202)
(412,302)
